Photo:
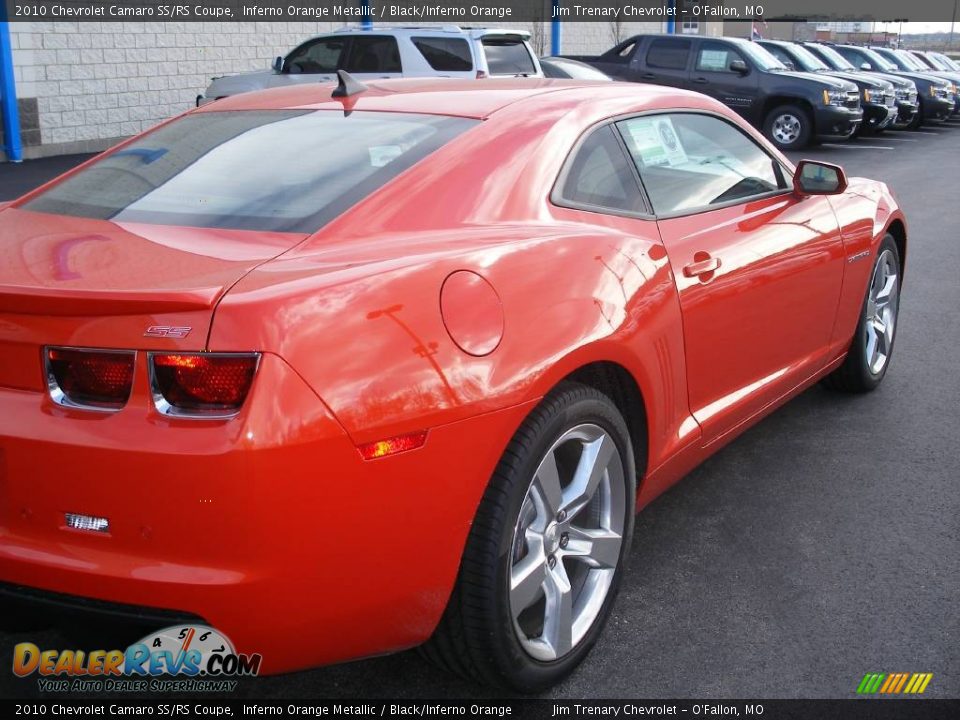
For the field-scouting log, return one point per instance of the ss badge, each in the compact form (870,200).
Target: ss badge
(166,331)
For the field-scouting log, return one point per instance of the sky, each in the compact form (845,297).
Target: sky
(911,28)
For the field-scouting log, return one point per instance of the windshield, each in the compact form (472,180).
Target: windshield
(836,60)
(761,56)
(808,61)
(877,60)
(909,60)
(945,62)
(272,170)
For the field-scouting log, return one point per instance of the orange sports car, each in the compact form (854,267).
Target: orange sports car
(345,371)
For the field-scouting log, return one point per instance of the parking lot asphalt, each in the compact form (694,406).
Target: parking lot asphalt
(822,544)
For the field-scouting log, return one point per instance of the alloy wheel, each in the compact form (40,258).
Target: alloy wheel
(883,303)
(567,542)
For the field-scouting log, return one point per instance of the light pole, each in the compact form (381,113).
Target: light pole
(953,22)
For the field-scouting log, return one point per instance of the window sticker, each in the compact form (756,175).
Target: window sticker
(715,60)
(655,139)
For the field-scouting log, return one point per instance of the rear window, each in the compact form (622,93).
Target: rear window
(668,54)
(507,56)
(272,170)
(445,54)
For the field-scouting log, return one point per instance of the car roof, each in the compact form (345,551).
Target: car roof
(454,97)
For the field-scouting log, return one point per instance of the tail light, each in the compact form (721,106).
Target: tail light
(89,379)
(202,385)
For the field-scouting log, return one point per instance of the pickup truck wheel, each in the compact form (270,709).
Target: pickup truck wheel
(918,118)
(547,547)
(789,127)
(872,347)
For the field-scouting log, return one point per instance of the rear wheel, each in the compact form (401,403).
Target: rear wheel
(546,551)
(869,355)
(789,127)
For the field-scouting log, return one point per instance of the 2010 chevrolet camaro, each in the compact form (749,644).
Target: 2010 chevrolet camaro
(348,372)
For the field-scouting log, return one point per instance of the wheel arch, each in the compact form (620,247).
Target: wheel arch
(899,232)
(617,383)
(775,101)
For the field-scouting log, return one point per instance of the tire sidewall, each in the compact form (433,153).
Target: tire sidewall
(526,673)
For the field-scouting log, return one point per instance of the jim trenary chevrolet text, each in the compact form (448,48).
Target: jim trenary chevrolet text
(412,394)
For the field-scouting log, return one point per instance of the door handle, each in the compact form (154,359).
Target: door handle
(700,81)
(701,267)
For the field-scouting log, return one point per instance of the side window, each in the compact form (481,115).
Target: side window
(669,54)
(621,53)
(445,54)
(689,161)
(779,54)
(851,56)
(599,175)
(373,54)
(316,56)
(716,57)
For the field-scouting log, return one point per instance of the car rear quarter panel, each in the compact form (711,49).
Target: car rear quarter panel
(355,310)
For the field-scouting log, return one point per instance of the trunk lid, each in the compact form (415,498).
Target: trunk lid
(93,283)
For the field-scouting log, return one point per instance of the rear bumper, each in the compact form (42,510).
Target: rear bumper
(837,122)
(270,526)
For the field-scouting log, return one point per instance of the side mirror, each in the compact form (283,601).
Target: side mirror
(789,65)
(865,66)
(278,65)
(818,178)
(739,67)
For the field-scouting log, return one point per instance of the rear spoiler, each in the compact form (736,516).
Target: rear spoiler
(501,34)
(23,300)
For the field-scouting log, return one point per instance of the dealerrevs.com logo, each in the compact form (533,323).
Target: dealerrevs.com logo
(180,658)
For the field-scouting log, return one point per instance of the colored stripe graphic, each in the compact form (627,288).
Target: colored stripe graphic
(894,683)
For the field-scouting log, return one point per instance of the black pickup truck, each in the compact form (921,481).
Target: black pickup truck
(878,98)
(792,108)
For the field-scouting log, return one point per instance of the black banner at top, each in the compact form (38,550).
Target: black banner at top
(477,12)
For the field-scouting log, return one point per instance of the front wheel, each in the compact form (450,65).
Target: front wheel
(546,551)
(789,127)
(872,347)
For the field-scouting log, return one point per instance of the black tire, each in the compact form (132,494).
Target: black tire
(855,374)
(476,638)
(800,115)
(917,121)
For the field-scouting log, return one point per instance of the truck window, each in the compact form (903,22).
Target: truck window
(716,57)
(508,56)
(668,53)
(445,54)
(373,54)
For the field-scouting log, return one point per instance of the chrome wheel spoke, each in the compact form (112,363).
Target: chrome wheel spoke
(593,464)
(598,548)
(526,582)
(558,617)
(548,487)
